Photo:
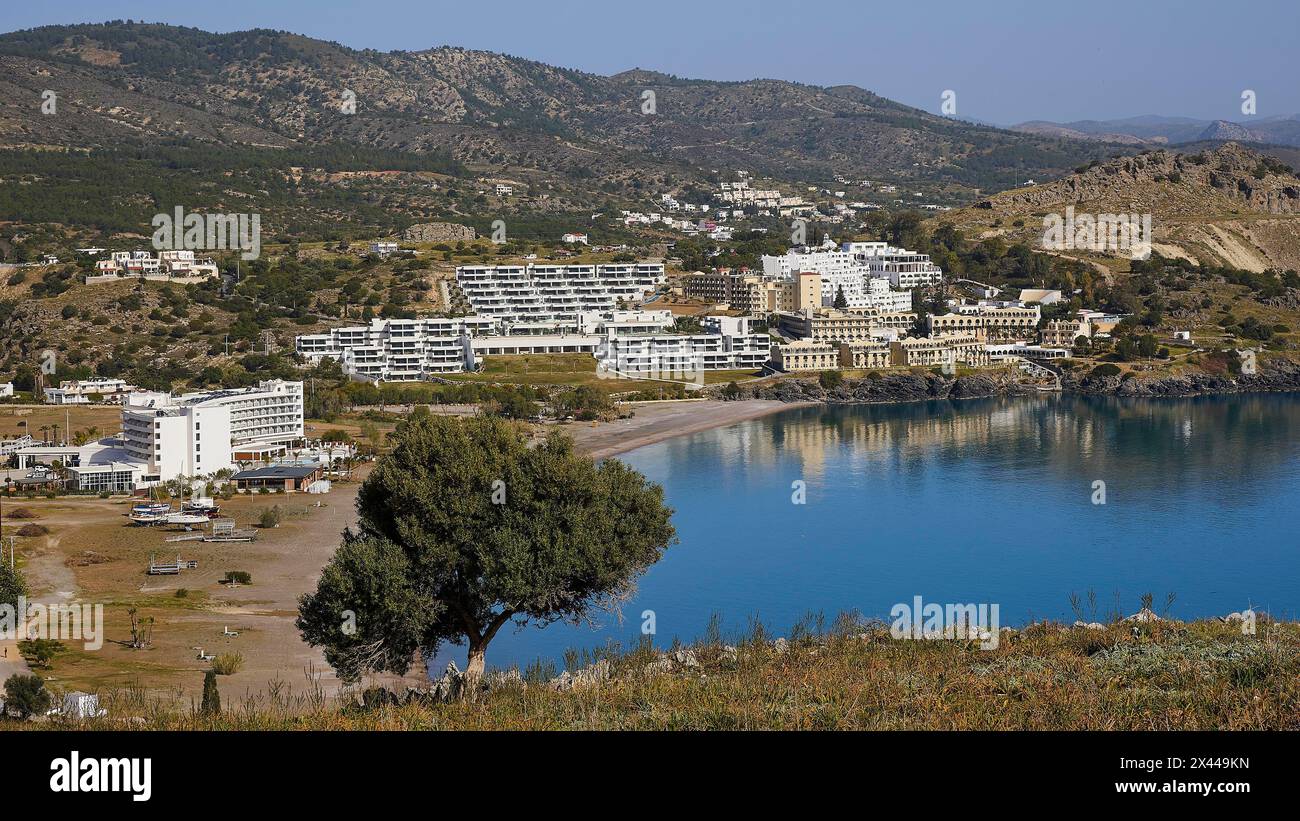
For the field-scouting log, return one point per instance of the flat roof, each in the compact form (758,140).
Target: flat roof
(278,472)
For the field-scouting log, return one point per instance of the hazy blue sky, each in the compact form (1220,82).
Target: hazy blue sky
(1007,61)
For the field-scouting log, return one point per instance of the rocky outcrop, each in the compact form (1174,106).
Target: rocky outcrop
(438,232)
(892,387)
(1274,375)
(1157,179)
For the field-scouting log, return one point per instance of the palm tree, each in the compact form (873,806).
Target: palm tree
(44,439)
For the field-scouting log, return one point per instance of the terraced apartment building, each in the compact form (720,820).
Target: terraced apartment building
(398,350)
(545,294)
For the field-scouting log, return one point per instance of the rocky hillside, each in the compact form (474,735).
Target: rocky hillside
(124,82)
(1228,206)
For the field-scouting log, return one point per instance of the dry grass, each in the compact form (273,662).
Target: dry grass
(1203,675)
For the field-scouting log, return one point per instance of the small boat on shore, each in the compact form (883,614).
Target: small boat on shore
(149,513)
(201,506)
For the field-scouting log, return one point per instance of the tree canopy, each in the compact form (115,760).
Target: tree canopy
(462,528)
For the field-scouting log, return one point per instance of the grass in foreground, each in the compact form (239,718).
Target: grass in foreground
(1160,676)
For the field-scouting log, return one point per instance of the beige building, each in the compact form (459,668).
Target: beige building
(1061,333)
(996,323)
(738,291)
(865,354)
(802,292)
(948,349)
(831,325)
(754,294)
(806,355)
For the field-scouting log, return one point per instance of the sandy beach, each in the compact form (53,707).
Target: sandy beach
(656,421)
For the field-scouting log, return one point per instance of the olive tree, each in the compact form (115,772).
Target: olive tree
(463,528)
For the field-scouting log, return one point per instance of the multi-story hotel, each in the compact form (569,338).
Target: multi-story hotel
(997,323)
(806,355)
(947,349)
(200,433)
(1063,332)
(903,268)
(830,325)
(729,344)
(398,350)
(866,273)
(539,294)
(738,290)
(865,354)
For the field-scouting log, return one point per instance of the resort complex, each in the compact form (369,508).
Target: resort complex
(819,308)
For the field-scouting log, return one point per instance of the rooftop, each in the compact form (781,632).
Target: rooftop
(278,472)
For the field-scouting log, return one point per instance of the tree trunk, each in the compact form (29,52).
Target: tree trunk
(477,658)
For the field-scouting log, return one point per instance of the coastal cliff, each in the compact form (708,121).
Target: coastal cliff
(1274,375)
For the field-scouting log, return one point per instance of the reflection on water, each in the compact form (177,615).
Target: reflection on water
(974,501)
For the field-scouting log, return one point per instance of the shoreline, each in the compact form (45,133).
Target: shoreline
(656,422)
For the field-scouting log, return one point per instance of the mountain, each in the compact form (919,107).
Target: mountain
(1050,129)
(1155,130)
(134,84)
(1224,130)
(1231,206)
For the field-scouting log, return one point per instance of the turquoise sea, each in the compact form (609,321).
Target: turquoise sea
(974,501)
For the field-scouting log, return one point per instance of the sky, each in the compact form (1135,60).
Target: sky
(1004,61)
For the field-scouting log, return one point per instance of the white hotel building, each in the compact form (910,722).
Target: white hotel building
(870,274)
(728,344)
(396,350)
(543,294)
(200,433)
(903,268)
(400,350)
